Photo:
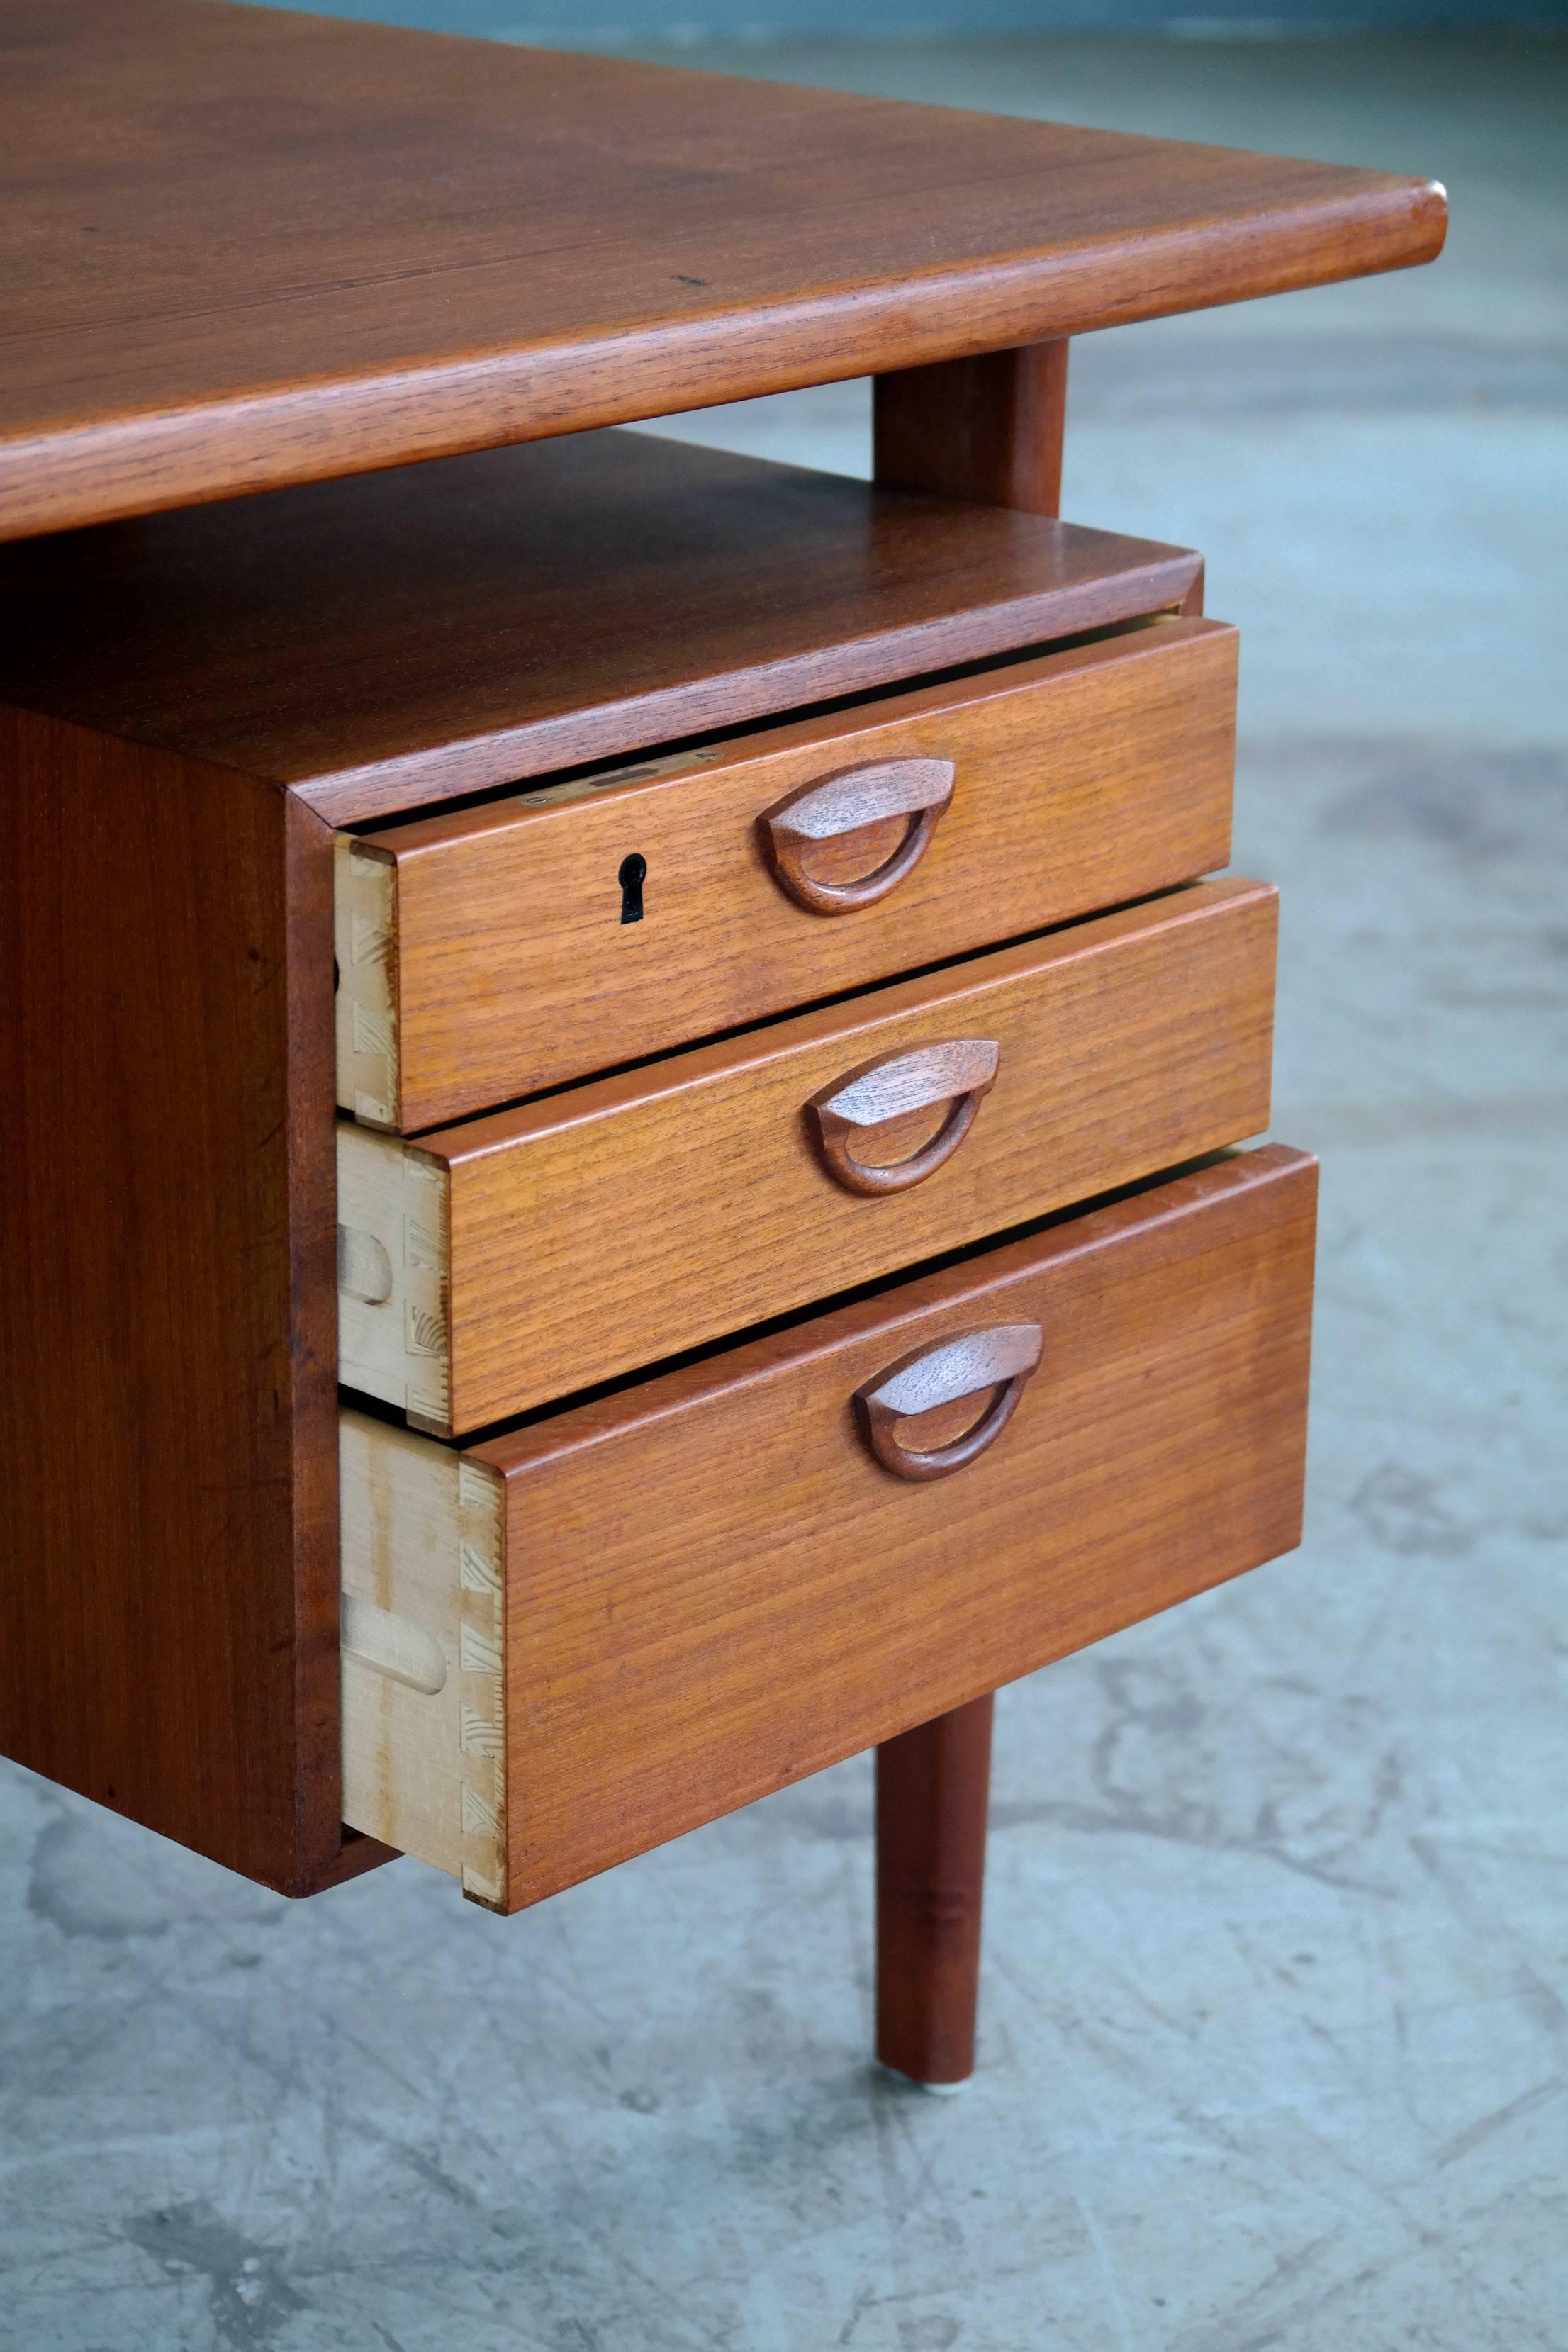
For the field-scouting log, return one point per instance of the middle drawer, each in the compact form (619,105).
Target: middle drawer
(495,1265)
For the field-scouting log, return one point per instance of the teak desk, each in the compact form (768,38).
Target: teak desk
(743,1251)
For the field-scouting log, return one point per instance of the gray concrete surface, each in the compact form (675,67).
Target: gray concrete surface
(1275,1996)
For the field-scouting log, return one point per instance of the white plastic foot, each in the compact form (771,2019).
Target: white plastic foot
(936,2090)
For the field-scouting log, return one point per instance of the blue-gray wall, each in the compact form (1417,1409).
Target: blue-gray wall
(580,24)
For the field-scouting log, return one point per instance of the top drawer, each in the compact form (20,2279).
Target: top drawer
(489,953)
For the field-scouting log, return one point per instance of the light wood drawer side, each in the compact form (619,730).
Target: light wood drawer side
(423,1628)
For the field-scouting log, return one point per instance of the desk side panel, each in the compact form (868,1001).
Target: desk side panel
(168,1625)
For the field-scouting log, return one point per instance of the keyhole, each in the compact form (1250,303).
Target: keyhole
(631,878)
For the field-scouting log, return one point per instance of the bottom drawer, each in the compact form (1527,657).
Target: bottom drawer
(570,1642)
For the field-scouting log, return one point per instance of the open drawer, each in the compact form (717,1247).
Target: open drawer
(488,952)
(491,1268)
(578,1639)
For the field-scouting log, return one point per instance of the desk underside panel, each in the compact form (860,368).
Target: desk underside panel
(386,641)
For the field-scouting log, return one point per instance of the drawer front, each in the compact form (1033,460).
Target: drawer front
(498,1265)
(573,1642)
(487,954)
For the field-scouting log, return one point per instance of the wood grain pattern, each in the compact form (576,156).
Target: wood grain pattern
(988,429)
(933,1786)
(678,1640)
(384,643)
(1086,778)
(168,1630)
(243,248)
(617,1223)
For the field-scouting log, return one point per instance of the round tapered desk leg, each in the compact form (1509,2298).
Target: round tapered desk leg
(988,430)
(932,1788)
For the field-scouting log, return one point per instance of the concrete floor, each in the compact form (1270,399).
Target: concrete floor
(1275,2034)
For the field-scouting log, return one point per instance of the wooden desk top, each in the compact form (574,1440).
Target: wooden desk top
(240,248)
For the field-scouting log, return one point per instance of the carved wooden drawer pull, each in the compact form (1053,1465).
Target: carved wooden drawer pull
(1000,1357)
(844,805)
(959,1070)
